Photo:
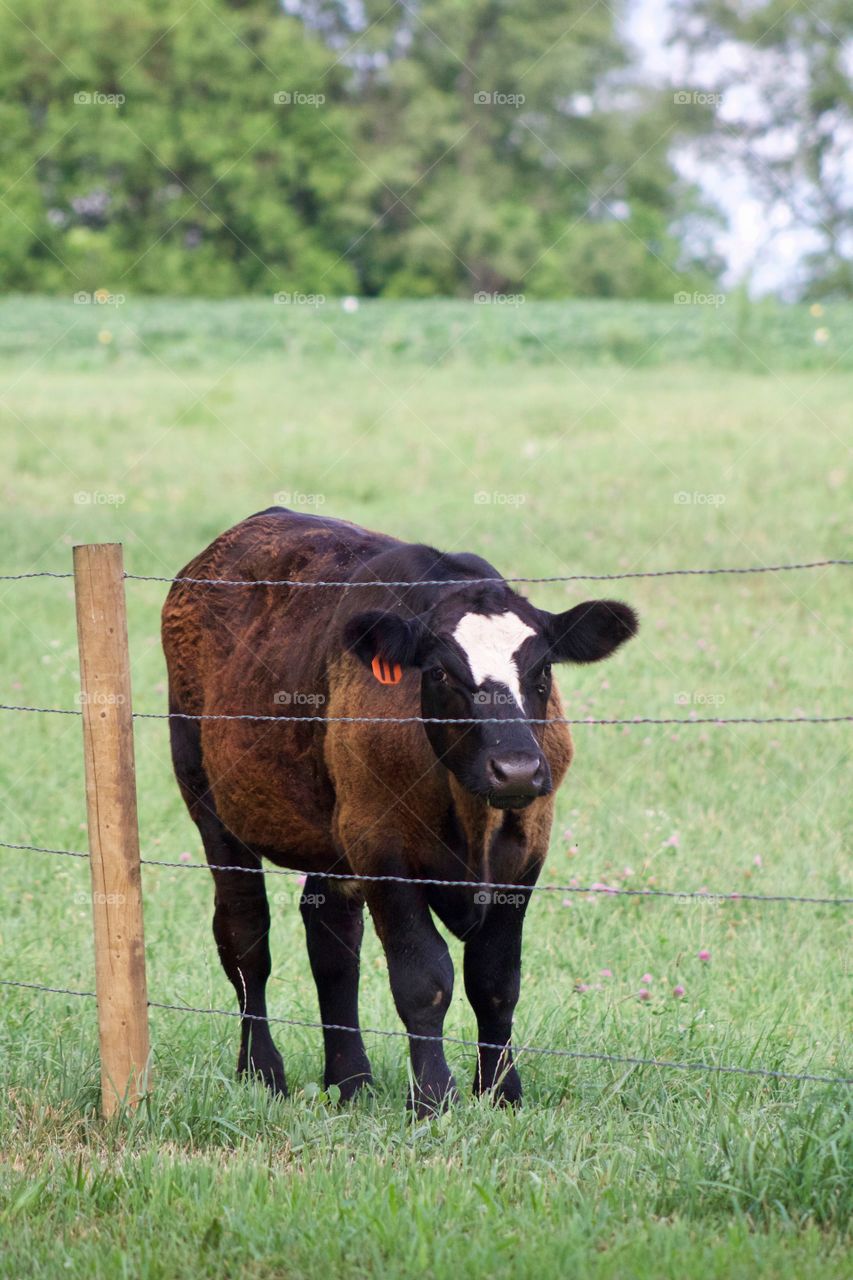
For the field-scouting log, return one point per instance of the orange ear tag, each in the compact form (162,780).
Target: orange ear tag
(387,672)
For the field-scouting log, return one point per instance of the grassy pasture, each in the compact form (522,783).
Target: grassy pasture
(542,439)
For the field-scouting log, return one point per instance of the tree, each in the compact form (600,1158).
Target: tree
(506,162)
(426,147)
(142,148)
(781,73)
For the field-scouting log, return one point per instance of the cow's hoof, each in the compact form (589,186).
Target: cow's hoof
(351,1085)
(349,1072)
(270,1070)
(430,1099)
(504,1092)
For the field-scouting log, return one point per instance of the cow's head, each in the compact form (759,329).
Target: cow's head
(486,657)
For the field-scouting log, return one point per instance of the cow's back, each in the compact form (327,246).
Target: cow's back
(204,626)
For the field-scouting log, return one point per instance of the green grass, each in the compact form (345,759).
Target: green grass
(186,421)
(716,329)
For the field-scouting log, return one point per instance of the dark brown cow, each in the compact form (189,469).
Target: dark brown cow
(471,802)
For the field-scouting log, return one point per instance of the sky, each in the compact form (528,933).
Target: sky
(761,248)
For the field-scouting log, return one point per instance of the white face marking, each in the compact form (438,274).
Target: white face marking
(491,645)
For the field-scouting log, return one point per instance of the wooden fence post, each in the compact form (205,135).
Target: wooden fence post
(113,830)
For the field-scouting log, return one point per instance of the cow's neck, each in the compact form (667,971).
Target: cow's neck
(480,823)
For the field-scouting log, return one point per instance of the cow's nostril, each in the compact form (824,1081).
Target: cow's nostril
(516,773)
(495,771)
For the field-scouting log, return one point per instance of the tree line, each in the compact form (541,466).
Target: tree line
(432,147)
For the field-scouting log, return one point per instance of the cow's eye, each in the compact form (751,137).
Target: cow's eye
(438,675)
(543,680)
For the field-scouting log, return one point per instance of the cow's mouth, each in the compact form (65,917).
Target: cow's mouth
(510,801)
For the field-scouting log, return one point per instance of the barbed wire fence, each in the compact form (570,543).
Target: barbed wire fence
(519,1051)
(124,1067)
(354,877)
(584,720)
(453,582)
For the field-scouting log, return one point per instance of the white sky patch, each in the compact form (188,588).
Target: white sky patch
(490,644)
(765,242)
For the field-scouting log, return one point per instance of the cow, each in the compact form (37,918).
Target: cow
(381,630)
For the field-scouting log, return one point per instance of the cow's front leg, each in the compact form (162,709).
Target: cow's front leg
(421,975)
(492,983)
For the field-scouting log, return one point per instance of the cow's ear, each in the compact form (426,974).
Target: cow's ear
(386,635)
(590,631)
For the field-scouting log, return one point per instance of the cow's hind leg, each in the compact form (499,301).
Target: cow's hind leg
(333,931)
(241,918)
(241,926)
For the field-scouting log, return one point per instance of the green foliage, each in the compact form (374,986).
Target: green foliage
(447,148)
(195,180)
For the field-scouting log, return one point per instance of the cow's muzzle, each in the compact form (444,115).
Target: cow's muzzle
(516,779)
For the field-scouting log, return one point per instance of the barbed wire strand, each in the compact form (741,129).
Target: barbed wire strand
(44,711)
(42,573)
(733,896)
(36,848)
(38,986)
(502,886)
(518,1051)
(635,720)
(460,582)
(587,720)
(451,582)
